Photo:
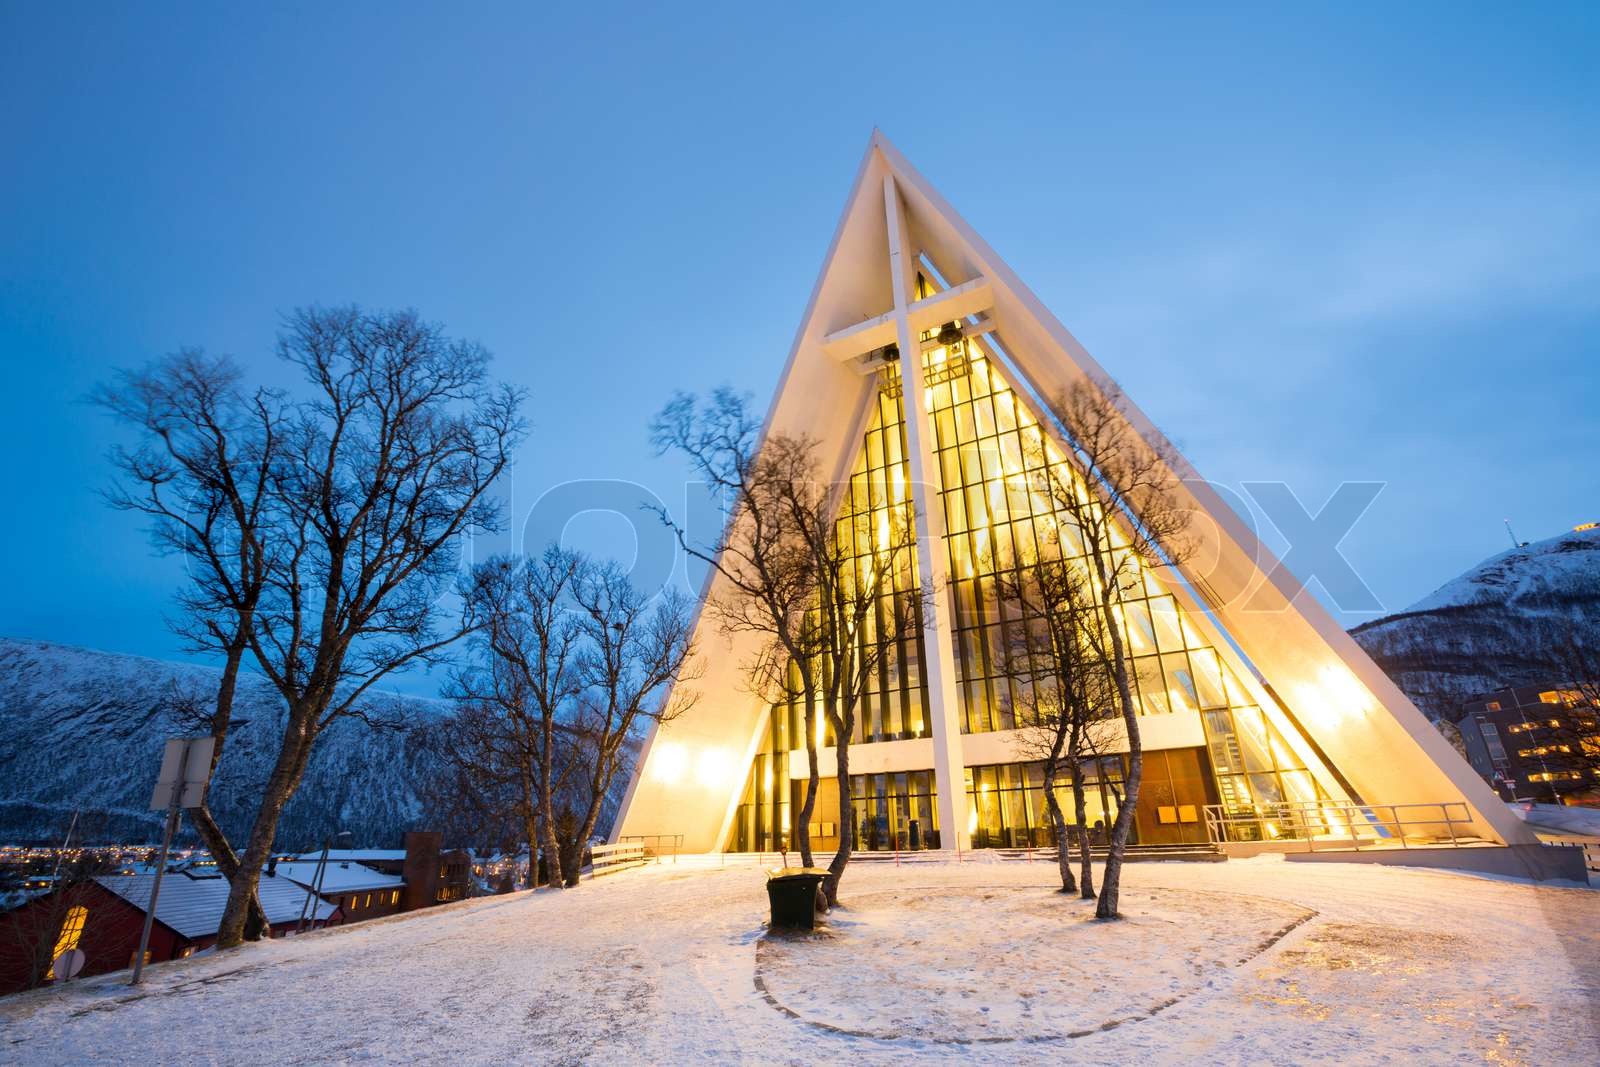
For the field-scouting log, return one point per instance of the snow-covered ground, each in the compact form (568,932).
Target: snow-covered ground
(1247,961)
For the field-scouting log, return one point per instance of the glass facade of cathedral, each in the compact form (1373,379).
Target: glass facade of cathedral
(996,466)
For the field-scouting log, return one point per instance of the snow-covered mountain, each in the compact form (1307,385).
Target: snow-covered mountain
(1494,626)
(81,728)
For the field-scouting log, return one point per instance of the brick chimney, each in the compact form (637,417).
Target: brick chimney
(421,870)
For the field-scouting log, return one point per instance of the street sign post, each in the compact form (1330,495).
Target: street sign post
(181,783)
(185,768)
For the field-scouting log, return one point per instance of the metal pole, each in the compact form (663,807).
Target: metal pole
(161,866)
(66,842)
(315,889)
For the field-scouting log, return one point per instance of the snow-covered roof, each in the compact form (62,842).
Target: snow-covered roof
(356,855)
(1559,818)
(193,906)
(342,877)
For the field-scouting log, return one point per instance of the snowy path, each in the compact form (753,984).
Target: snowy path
(1255,961)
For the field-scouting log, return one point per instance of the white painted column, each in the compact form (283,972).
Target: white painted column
(933,556)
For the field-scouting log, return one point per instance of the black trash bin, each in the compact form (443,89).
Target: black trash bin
(792,892)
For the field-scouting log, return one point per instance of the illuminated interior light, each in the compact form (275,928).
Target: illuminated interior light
(715,767)
(1336,698)
(669,761)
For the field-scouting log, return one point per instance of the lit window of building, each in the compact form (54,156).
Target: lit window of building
(71,934)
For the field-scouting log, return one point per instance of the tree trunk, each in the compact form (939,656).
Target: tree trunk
(572,852)
(597,792)
(256,924)
(547,807)
(1081,832)
(1059,822)
(530,830)
(530,820)
(216,842)
(1111,877)
(280,785)
(802,830)
(847,816)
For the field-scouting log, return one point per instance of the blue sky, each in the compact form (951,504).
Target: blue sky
(1315,244)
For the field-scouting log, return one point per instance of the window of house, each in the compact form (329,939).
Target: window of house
(71,934)
(1491,741)
(1555,776)
(1494,705)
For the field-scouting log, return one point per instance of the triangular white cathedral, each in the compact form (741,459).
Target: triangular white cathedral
(1268,716)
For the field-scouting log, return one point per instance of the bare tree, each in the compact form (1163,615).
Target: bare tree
(485,794)
(572,661)
(866,600)
(1058,658)
(764,560)
(631,667)
(202,473)
(826,595)
(1118,492)
(381,474)
(527,679)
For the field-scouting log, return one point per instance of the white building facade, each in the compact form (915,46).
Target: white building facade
(1255,705)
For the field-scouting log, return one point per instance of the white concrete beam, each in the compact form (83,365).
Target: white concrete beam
(968,298)
(933,555)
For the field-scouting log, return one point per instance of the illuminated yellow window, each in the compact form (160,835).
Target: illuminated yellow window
(71,934)
(368,904)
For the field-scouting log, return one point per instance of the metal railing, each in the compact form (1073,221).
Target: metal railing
(1343,827)
(608,859)
(1590,847)
(657,846)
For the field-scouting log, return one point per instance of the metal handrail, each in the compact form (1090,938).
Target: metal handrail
(655,844)
(1332,826)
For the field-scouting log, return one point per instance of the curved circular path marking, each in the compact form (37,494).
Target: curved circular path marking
(997,964)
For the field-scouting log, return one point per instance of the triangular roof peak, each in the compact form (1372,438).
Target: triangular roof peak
(1361,725)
